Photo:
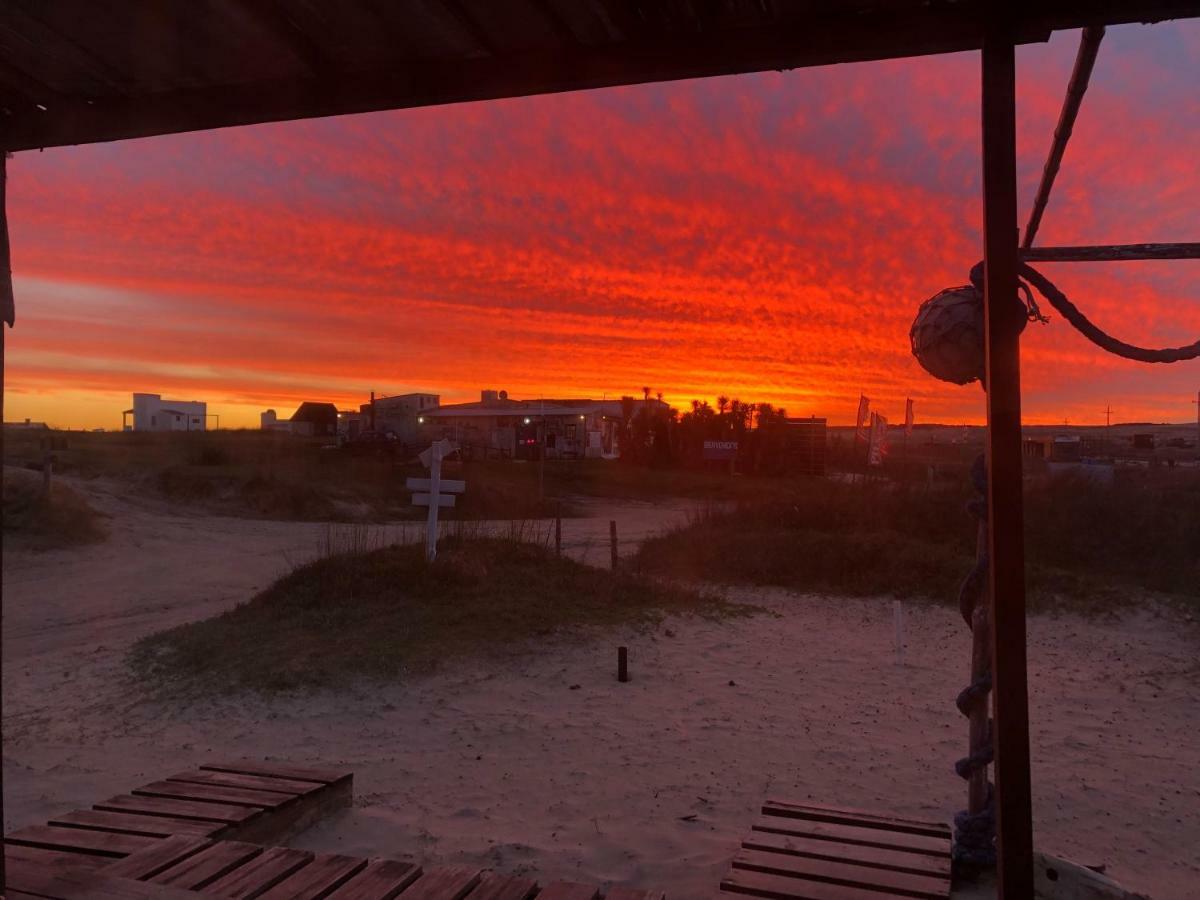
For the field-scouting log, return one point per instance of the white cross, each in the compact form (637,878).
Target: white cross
(436,491)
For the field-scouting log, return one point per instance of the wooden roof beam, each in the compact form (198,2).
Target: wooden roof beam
(432,82)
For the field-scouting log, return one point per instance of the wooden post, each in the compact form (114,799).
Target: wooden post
(612,540)
(7,316)
(558,529)
(1006,571)
(622,664)
(47,472)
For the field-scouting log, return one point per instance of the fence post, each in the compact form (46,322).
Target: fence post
(558,529)
(622,664)
(47,471)
(612,540)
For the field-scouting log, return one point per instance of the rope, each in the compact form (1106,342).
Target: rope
(1071,313)
(975,833)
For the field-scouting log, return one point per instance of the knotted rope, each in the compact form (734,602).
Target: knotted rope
(1071,313)
(975,832)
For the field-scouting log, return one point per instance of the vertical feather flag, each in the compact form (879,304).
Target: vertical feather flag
(864,406)
(876,449)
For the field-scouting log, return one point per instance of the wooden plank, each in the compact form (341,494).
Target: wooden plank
(81,840)
(17,856)
(857,818)
(1112,253)
(503,887)
(253,782)
(848,834)
(264,871)
(568,890)
(180,809)
(90,885)
(896,860)
(780,887)
(166,853)
(848,874)
(213,862)
(281,770)
(626,893)
(444,883)
(382,879)
(183,790)
(275,826)
(317,879)
(1003,322)
(129,823)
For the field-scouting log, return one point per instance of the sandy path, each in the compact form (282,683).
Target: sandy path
(507,765)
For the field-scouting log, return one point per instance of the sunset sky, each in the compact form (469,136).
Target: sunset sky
(764,236)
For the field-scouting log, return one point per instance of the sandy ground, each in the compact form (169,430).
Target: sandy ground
(544,763)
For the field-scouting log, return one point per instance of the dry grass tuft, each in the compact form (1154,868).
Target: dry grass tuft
(1088,544)
(385,613)
(36,521)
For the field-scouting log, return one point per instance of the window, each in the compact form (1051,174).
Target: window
(195,420)
(153,421)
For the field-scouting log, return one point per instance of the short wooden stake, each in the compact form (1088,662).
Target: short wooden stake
(898,621)
(612,540)
(622,664)
(558,531)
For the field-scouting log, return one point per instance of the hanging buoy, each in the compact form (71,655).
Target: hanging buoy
(947,335)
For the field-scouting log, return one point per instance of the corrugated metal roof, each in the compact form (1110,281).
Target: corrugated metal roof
(77,71)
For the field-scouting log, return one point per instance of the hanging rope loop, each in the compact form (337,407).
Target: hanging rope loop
(1082,324)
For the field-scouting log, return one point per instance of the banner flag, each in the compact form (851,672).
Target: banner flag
(877,448)
(864,406)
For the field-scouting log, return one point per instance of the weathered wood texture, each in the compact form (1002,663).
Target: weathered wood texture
(1085,61)
(813,852)
(171,836)
(1112,253)
(1003,322)
(76,71)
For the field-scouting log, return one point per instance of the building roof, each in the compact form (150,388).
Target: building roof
(308,411)
(533,408)
(79,71)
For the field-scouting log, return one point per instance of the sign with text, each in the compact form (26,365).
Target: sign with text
(725,450)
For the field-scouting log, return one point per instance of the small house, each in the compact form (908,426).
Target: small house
(315,420)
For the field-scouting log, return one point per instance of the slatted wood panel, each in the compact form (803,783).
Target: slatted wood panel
(169,839)
(259,802)
(812,852)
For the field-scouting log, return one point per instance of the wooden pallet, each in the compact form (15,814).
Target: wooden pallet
(173,840)
(260,802)
(235,869)
(809,852)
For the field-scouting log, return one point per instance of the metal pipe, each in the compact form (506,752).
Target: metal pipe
(1085,60)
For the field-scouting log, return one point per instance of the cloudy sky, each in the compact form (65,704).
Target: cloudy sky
(764,236)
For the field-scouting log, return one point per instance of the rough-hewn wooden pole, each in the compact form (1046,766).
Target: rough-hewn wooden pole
(1006,572)
(6,319)
(1112,253)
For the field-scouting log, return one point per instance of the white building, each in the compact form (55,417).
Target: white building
(152,413)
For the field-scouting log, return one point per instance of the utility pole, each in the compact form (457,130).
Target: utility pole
(1108,430)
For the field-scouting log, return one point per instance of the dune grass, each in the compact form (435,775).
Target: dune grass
(386,613)
(37,521)
(1087,543)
